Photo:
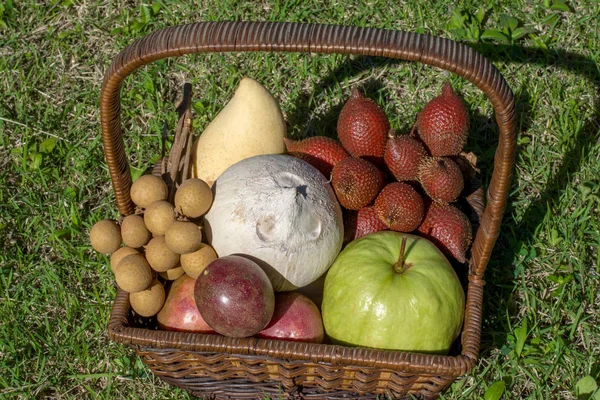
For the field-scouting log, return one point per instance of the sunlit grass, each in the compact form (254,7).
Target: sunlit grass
(541,332)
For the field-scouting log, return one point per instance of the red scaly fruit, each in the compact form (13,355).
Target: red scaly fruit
(321,152)
(400,207)
(356,182)
(402,156)
(449,229)
(441,178)
(361,223)
(362,127)
(443,124)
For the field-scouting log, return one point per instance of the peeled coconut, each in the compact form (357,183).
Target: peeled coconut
(250,124)
(280,211)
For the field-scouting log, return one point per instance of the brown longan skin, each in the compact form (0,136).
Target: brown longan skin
(160,257)
(159,216)
(172,274)
(120,254)
(194,263)
(183,237)
(150,301)
(105,236)
(193,198)
(147,189)
(134,231)
(133,273)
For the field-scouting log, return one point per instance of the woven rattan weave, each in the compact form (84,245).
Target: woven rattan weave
(221,367)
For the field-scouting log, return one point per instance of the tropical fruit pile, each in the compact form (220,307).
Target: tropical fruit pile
(246,241)
(406,183)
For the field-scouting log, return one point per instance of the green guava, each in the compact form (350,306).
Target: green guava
(375,298)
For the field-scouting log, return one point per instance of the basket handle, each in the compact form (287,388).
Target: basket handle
(298,37)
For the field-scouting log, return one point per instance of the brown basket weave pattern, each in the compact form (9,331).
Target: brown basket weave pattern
(223,367)
(202,371)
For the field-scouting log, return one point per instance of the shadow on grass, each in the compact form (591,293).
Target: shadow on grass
(515,235)
(501,274)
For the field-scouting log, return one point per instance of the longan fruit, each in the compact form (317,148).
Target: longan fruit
(134,231)
(183,237)
(150,301)
(172,274)
(158,216)
(105,236)
(118,255)
(194,263)
(193,198)
(160,256)
(147,189)
(133,273)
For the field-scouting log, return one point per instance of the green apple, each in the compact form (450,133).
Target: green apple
(391,290)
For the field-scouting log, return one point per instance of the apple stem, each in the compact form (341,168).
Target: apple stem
(400,266)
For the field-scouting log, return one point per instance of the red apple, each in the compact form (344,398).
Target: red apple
(295,318)
(235,296)
(180,312)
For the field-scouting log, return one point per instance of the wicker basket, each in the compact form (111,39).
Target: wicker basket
(221,367)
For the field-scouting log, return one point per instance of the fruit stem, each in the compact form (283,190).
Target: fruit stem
(401,266)
(447,89)
(355,93)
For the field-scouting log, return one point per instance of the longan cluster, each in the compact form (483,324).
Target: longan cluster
(159,243)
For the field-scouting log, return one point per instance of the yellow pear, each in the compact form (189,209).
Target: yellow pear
(250,124)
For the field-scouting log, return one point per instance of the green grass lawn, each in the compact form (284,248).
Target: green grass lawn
(541,330)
